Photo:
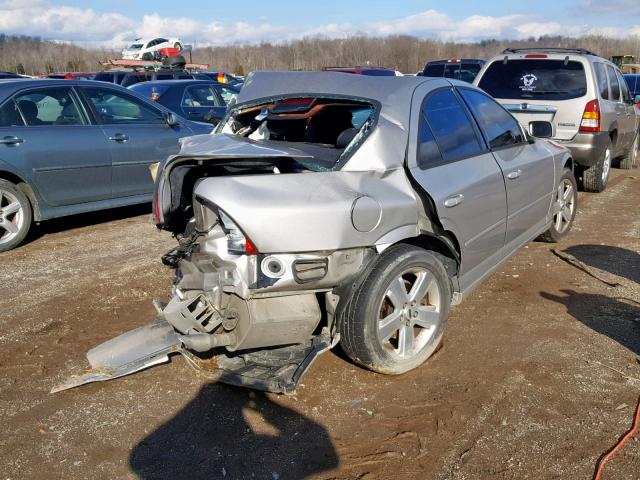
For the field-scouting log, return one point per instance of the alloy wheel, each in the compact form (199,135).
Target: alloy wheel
(564,206)
(11,216)
(409,312)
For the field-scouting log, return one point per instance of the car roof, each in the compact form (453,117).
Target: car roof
(393,93)
(456,60)
(12,84)
(182,81)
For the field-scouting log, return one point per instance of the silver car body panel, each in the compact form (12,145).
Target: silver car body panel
(272,210)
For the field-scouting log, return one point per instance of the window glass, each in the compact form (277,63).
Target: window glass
(50,106)
(626,96)
(499,128)
(428,151)
(150,90)
(114,108)
(469,71)
(613,82)
(200,96)
(601,78)
(450,126)
(452,70)
(537,79)
(10,116)
(226,94)
(435,70)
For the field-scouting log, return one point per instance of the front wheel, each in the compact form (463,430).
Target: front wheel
(630,159)
(396,319)
(15,216)
(565,204)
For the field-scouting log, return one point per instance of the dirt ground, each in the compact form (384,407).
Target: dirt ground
(537,378)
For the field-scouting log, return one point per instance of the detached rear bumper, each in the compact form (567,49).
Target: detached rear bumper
(586,148)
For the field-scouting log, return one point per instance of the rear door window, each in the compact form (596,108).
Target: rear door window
(446,131)
(535,79)
(201,96)
(613,83)
(601,78)
(50,106)
(500,129)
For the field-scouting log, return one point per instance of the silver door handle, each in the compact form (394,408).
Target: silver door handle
(11,140)
(453,201)
(119,137)
(515,174)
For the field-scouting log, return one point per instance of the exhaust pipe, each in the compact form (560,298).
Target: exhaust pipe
(203,342)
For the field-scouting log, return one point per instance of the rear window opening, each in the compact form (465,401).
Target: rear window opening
(325,128)
(535,79)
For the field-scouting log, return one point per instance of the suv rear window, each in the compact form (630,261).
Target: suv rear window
(465,71)
(537,79)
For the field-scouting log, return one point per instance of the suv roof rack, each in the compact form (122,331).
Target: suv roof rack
(582,51)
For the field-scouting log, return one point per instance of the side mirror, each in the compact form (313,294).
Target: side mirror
(541,129)
(170,119)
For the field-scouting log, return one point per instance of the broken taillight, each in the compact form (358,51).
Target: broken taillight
(237,241)
(590,122)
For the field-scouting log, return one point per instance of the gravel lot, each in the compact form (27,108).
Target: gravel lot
(537,378)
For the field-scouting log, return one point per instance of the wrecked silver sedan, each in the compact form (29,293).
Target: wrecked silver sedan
(332,208)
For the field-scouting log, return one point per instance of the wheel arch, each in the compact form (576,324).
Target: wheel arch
(25,188)
(446,245)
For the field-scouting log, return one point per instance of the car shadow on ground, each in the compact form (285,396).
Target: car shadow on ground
(234,433)
(615,260)
(56,225)
(617,318)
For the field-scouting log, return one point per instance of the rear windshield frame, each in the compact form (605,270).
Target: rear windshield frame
(503,85)
(347,153)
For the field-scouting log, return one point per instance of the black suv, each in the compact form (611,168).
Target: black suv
(464,69)
(131,77)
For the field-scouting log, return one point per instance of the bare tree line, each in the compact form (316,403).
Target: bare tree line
(32,55)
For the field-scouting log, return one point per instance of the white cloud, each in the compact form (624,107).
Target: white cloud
(86,26)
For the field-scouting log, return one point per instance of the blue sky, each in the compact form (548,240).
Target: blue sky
(113,23)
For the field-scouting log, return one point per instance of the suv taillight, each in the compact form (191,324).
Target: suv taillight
(590,122)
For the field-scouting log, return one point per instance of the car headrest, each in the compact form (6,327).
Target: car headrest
(346,137)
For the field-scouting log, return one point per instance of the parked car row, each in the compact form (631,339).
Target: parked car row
(72,146)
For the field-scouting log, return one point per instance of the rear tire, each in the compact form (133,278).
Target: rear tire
(396,319)
(631,158)
(596,177)
(15,215)
(565,205)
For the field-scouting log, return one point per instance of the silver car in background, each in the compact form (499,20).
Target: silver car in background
(584,95)
(333,208)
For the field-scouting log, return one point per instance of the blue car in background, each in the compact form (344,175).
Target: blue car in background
(72,146)
(633,81)
(198,100)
